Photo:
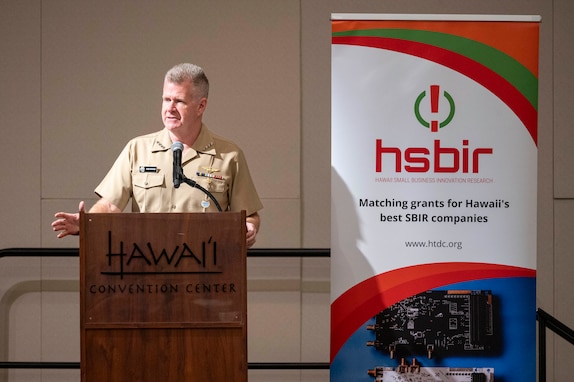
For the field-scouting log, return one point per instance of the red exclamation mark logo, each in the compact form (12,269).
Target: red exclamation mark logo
(434,95)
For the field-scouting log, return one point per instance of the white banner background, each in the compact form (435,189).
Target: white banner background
(374,98)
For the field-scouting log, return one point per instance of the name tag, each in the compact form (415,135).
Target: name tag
(148,169)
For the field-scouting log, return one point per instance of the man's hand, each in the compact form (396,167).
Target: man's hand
(68,223)
(251,234)
(252,222)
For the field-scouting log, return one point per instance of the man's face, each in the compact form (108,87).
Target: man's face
(181,111)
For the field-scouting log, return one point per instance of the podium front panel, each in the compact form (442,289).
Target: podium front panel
(169,269)
(165,355)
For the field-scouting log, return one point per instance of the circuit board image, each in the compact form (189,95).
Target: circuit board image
(437,321)
(431,374)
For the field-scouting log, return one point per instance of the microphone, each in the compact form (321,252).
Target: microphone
(178,176)
(177,148)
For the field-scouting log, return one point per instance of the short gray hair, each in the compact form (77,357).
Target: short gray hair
(194,73)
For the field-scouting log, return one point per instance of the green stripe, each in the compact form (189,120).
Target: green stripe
(499,62)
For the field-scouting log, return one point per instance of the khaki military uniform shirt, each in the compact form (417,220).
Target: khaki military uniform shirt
(144,172)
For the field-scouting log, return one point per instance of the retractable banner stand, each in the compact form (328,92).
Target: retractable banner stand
(434,161)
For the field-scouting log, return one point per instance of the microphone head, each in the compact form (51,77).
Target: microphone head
(177,146)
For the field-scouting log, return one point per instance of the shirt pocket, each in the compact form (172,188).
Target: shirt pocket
(148,190)
(213,185)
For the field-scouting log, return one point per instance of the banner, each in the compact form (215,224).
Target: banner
(433,217)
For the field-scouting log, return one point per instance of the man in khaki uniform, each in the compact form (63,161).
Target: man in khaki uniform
(144,169)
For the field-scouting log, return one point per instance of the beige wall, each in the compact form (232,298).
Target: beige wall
(79,78)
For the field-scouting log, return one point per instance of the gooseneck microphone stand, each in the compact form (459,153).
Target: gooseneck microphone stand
(194,184)
(179,176)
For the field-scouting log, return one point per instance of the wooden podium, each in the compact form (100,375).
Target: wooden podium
(163,297)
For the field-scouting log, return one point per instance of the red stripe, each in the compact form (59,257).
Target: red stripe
(464,65)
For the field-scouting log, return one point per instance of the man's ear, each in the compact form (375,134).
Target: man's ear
(202,106)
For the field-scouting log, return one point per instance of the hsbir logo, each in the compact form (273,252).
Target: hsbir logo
(439,158)
(434,100)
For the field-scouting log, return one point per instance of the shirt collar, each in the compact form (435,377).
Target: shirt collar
(162,141)
(203,144)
